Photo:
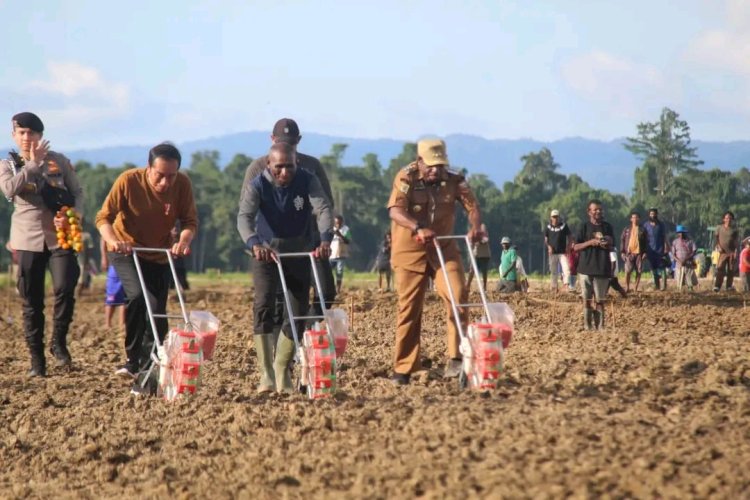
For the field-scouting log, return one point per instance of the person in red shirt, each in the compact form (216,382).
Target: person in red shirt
(745,264)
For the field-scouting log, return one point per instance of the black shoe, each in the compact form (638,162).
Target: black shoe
(61,354)
(399,379)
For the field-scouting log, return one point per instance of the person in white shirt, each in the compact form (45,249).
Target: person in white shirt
(342,237)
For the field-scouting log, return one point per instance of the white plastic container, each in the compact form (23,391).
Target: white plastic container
(337,323)
(206,327)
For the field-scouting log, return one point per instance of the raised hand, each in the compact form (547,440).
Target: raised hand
(39,150)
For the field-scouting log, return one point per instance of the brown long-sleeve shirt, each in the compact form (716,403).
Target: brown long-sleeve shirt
(143,217)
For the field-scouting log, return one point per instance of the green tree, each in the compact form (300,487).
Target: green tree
(332,165)
(408,154)
(664,147)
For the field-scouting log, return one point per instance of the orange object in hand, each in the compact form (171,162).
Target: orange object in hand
(70,236)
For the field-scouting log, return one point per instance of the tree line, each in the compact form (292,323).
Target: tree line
(669,178)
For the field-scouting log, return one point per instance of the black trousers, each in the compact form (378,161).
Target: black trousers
(325,273)
(32,268)
(181,272)
(483,264)
(139,339)
(267,283)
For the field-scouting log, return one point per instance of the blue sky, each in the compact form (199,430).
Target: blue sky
(105,73)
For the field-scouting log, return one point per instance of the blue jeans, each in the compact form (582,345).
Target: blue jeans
(338,268)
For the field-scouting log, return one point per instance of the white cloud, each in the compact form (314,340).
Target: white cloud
(738,14)
(721,50)
(718,62)
(76,95)
(619,84)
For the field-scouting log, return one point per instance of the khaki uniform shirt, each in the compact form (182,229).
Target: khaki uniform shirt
(434,206)
(32,224)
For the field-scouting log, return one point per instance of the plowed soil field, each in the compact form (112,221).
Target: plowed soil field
(657,405)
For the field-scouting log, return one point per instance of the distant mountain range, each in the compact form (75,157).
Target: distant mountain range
(603,164)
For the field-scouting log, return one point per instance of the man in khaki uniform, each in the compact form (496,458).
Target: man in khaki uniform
(24,177)
(421,207)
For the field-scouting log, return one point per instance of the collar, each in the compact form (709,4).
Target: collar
(269,177)
(441,178)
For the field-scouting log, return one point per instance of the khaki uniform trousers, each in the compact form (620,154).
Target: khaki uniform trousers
(412,287)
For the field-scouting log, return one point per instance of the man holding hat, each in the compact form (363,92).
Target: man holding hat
(683,253)
(556,239)
(24,177)
(422,207)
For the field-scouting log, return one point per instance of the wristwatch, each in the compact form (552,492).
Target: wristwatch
(417,228)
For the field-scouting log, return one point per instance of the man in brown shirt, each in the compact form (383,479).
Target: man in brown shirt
(421,207)
(23,177)
(140,210)
(727,241)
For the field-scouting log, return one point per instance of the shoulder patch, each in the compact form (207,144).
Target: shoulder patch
(404,186)
(411,167)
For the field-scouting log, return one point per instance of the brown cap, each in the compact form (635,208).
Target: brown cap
(432,152)
(286,130)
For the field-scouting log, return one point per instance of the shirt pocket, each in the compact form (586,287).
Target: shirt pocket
(418,202)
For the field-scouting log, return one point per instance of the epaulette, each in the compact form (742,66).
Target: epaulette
(411,167)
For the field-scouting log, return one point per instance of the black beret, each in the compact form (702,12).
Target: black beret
(28,120)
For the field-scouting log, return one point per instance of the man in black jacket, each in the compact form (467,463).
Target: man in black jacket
(286,130)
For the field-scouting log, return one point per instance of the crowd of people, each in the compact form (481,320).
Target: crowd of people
(640,243)
(286,205)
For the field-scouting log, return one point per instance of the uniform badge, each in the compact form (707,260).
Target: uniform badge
(53,167)
(404,187)
(167,206)
(442,183)
(299,203)
(417,208)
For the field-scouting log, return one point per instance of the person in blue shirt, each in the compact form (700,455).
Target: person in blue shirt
(274,216)
(656,234)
